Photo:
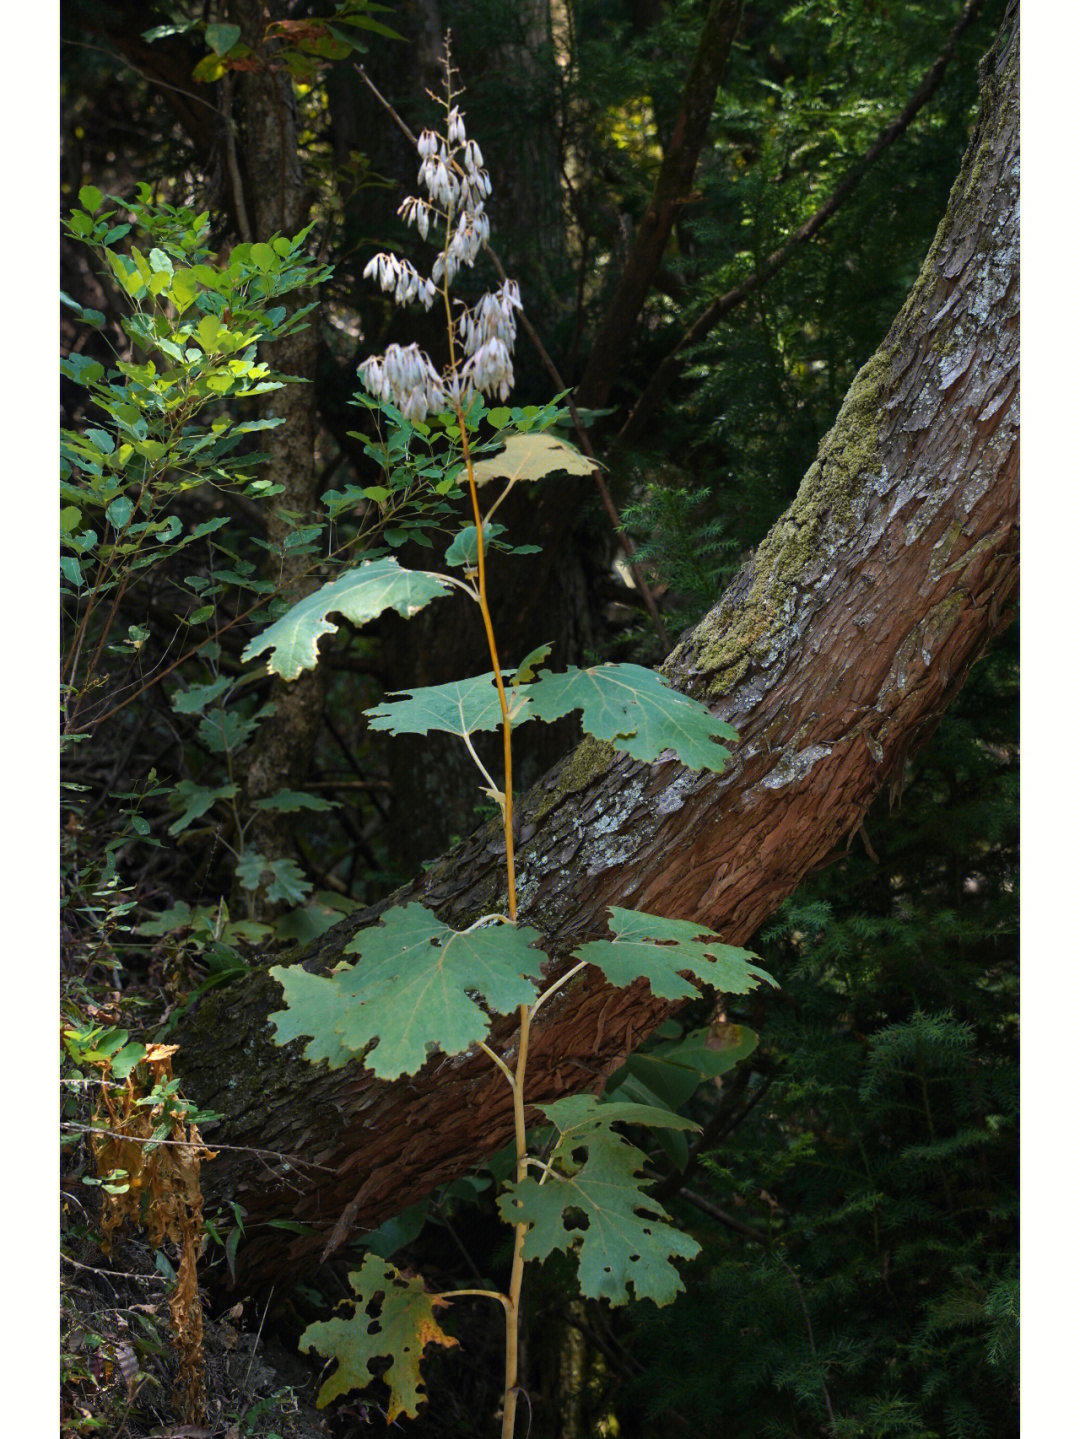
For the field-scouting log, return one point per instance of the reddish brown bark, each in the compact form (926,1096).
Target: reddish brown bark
(835,652)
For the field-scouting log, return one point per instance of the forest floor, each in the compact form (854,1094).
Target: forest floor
(119,1363)
(123,1370)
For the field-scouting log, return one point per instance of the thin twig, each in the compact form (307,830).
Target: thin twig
(150,79)
(258,1336)
(665,373)
(759,1236)
(293,1159)
(242,221)
(810,1336)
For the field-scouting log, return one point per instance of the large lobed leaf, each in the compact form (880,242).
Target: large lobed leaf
(647,946)
(400,1327)
(636,710)
(359,595)
(622,1236)
(532,457)
(460,707)
(411,990)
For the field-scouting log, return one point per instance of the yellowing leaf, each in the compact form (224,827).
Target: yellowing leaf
(393,1317)
(531,457)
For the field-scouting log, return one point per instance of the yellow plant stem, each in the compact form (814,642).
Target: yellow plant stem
(508,793)
(512,1300)
(517,1270)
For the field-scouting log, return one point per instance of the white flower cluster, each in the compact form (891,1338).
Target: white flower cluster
(453,175)
(405,377)
(394,273)
(488,332)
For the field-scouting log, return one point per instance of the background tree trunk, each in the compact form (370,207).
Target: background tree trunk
(276,201)
(834,653)
(673,185)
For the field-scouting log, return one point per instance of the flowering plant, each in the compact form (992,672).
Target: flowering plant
(453,175)
(419,986)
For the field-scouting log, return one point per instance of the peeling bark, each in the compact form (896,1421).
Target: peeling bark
(835,652)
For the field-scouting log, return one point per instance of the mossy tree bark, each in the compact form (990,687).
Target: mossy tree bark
(834,653)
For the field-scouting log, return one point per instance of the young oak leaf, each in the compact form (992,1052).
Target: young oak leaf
(401,1327)
(532,457)
(647,946)
(359,595)
(634,708)
(410,990)
(625,1240)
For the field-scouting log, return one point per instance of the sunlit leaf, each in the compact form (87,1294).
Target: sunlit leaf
(460,707)
(533,457)
(636,710)
(647,946)
(413,988)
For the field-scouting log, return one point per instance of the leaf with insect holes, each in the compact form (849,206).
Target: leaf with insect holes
(460,707)
(394,1318)
(359,595)
(533,457)
(647,946)
(597,1204)
(411,989)
(636,710)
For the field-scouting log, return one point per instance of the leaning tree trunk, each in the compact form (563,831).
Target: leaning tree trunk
(835,651)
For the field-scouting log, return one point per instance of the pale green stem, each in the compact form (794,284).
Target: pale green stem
(552,989)
(499,1063)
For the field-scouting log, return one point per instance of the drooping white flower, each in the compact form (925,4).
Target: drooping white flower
(455,127)
(451,174)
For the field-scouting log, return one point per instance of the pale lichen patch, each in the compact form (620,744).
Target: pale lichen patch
(795,766)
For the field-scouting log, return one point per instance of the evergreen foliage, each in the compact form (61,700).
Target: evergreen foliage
(878,1165)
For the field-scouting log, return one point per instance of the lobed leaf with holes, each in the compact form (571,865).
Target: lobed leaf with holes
(597,1207)
(394,1317)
